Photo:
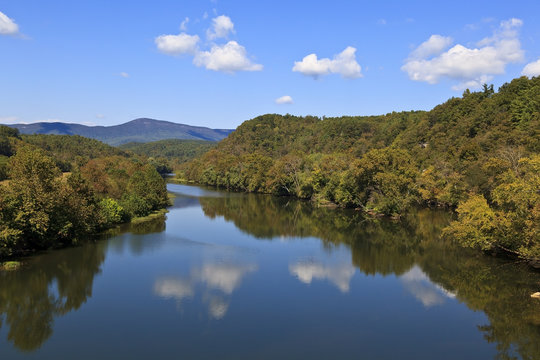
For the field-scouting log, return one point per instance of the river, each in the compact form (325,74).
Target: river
(245,276)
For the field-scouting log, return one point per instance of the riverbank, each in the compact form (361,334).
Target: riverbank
(15,261)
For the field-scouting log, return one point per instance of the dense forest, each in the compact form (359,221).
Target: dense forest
(477,154)
(170,153)
(58,189)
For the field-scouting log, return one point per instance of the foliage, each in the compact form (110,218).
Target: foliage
(460,152)
(111,211)
(7,138)
(70,151)
(40,208)
(137,187)
(175,151)
(512,221)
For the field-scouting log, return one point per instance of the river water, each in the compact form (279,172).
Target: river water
(244,276)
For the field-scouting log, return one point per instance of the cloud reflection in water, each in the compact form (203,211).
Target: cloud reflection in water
(338,274)
(222,278)
(422,288)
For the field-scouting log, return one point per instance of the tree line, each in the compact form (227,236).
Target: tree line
(478,154)
(169,154)
(42,206)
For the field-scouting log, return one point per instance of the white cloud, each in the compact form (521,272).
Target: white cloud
(339,274)
(532,69)
(230,57)
(124,74)
(100,116)
(7,25)
(177,44)
(183,25)
(284,100)
(221,27)
(470,66)
(343,63)
(433,46)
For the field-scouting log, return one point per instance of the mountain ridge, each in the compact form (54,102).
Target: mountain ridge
(137,130)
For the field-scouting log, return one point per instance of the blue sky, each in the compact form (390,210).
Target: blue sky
(218,63)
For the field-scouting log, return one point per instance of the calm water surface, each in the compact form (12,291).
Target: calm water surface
(236,276)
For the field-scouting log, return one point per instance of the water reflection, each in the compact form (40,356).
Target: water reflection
(422,288)
(431,270)
(433,273)
(216,280)
(174,287)
(47,287)
(138,237)
(338,274)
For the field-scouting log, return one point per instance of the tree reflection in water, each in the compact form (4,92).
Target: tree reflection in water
(51,285)
(47,286)
(410,248)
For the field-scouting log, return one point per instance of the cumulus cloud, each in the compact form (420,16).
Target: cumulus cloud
(221,27)
(230,57)
(338,274)
(471,67)
(7,25)
(284,100)
(177,44)
(532,69)
(124,74)
(433,46)
(343,63)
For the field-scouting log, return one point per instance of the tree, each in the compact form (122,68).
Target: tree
(30,200)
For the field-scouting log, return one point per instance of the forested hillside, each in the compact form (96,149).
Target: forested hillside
(478,153)
(171,152)
(58,189)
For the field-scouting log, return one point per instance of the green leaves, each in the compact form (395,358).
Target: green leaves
(512,221)
(42,208)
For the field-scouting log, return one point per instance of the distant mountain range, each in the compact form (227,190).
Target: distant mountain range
(138,130)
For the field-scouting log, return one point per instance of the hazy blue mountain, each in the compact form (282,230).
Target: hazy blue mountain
(138,130)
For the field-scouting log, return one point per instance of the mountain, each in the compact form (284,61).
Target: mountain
(138,130)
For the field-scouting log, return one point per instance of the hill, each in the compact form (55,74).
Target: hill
(138,130)
(174,150)
(478,154)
